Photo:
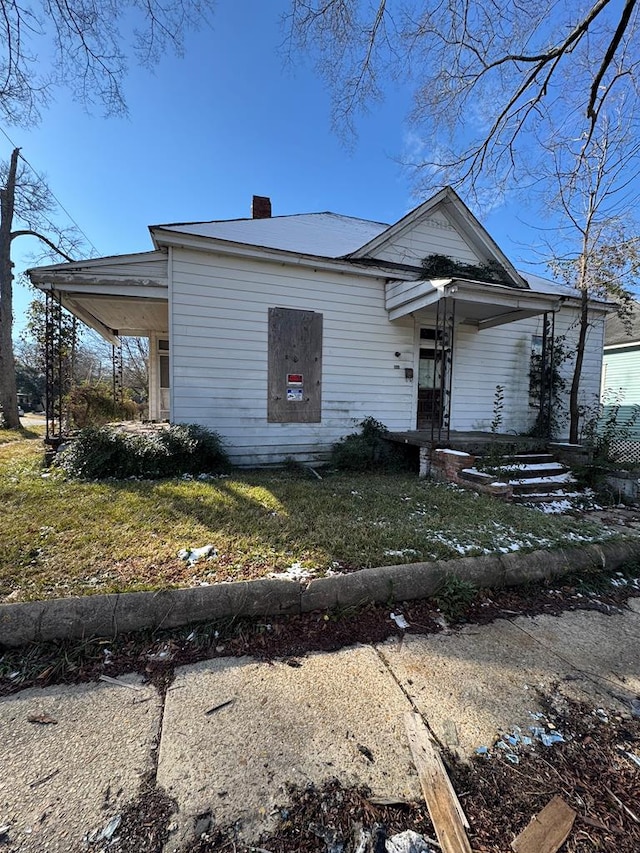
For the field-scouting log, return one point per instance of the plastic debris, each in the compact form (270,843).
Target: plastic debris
(632,757)
(106,833)
(194,555)
(400,621)
(635,707)
(407,842)
(482,750)
(547,738)
(4,829)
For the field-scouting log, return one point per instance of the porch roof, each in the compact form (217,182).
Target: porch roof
(116,296)
(478,303)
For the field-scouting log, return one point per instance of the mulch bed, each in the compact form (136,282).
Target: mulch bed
(155,655)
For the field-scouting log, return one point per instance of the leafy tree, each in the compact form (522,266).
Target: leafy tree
(30,381)
(86,357)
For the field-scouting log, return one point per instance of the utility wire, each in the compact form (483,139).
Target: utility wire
(53,195)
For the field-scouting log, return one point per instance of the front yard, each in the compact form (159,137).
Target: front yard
(59,537)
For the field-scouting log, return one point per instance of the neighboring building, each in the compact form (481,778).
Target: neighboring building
(282,333)
(621,380)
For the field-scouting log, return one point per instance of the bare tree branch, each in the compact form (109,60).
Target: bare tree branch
(26,232)
(89,46)
(488,77)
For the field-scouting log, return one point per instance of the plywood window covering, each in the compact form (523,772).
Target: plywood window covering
(295,350)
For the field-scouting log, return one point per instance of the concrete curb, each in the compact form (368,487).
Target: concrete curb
(108,615)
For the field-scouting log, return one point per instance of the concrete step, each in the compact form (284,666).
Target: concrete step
(530,458)
(542,485)
(531,472)
(548,497)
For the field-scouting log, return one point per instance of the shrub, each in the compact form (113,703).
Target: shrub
(101,452)
(368,450)
(93,405)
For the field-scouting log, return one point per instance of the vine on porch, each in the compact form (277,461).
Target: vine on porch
(442,266)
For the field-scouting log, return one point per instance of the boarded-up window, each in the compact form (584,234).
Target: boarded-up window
(295,366)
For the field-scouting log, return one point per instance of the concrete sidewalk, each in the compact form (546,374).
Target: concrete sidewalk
(232,733)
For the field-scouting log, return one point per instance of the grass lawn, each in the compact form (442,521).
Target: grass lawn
(59,537)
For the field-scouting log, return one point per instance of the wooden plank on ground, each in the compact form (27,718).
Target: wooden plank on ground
(548,830)
(446,813)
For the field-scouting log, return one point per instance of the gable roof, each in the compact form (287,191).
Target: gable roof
(616,332)
(336,237)
(327,235)
(466,223)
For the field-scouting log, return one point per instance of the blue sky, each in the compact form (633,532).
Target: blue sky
(207,131)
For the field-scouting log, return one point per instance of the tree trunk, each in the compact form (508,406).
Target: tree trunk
(8,390)
(574,412)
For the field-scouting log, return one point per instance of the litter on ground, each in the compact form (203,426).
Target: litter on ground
(194,555)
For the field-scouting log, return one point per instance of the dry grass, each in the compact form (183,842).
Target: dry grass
(60,537)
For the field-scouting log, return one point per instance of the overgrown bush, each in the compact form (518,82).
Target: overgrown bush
(369,450)
(98,453)
(93,405)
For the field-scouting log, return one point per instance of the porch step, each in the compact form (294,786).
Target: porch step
(530,459)
(535,498)
(542,485)
(535,478)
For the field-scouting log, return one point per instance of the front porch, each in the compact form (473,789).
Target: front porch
(475,442)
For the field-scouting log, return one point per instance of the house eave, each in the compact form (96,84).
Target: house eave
(216,246)
(487,305)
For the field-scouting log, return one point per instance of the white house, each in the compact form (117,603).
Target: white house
(282,332)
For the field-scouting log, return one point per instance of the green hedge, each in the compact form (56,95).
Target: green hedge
(101,452)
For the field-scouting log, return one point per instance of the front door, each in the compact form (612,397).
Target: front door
(430,380)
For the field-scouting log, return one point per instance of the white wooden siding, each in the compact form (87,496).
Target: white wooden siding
(500,356)
(219,337)
(219,344)
(435,235)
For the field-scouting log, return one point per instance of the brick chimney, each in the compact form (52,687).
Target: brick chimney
(261,207)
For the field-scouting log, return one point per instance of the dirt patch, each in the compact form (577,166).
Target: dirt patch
(593,772)
(143,826)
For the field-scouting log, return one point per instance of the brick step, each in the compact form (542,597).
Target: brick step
(473,476)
